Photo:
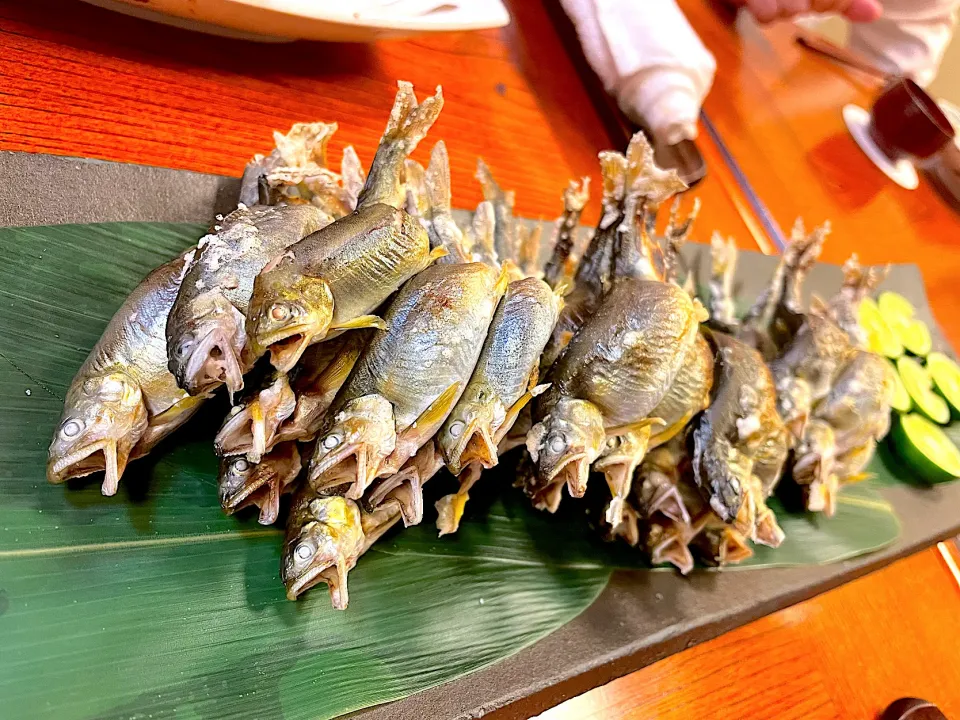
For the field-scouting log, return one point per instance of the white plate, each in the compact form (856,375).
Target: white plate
(337,20)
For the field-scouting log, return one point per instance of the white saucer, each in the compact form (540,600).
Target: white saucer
(902,172)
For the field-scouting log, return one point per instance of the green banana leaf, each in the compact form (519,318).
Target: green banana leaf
(153,602)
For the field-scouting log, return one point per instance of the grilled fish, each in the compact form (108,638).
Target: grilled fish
(205,340)
(123,399)
(409,377)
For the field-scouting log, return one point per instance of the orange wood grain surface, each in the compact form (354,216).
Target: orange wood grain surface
(78,80)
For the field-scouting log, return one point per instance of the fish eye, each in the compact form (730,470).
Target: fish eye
(71,428)
(456,428)
(331,441)
(186,344)
(241,465)
(557,443)
(304,551)
(280,312)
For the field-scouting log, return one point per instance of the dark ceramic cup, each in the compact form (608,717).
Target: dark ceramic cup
(906,122)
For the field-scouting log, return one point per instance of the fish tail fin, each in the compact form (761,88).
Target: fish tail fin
(352,176)
(407,125)
(438,179)
(529,243)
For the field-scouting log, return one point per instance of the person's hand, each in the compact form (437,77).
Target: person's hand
(766,11)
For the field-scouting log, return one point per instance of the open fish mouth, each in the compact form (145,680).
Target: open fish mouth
(235,501)
(214,361)
(311,578)
(476,446)
(348,464)
(573,471)
(93,458)
(287,349)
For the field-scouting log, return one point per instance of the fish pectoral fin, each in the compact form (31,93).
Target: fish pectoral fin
(361,323)
(636,428)
(510,417)
(335,374)
(436,254)
(449,511)
(431,418)
(668,432)
(858,477)
(508,269)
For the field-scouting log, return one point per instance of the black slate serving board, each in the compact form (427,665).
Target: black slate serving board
(640,617)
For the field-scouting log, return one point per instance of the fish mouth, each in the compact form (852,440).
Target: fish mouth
(287,346)
(351,463)
(212,363)
(574,471)
(232,502)
(476,446)
(87,461)
(310,579)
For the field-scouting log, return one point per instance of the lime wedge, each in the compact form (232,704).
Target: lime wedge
(901,398)
(926,448)
(894,305)
(920,387)
(945,374)
(880,338)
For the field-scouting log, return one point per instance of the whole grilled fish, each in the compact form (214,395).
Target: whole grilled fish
(502,383)
(205,330)
(327,534)
(330,280)
(739,444)
(612,374)
(123,399)
(409,377)
(242,483)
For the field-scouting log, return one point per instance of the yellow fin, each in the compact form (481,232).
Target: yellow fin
(359,323)
(507,268)
(668,432)
(431,418)
(858,477)
(634,427)
(335,374)
(436,254)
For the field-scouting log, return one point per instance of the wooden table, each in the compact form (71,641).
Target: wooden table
(77,80)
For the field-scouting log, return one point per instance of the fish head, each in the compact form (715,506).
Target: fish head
(237,480)
(288,312)
(205,344)
(103,419)
(324,534)
(359,438)
(467,436)
(566,442)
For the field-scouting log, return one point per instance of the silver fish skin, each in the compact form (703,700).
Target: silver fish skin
(410,375)
(329,280)
(739,443)
(123,399)
(626,356)
(205,329)
(505,373)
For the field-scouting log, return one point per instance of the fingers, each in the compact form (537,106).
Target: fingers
(863,11)
(766,11)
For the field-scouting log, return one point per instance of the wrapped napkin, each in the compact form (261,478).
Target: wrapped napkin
(649,59)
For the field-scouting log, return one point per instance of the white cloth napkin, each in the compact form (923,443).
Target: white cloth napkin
(649,59)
